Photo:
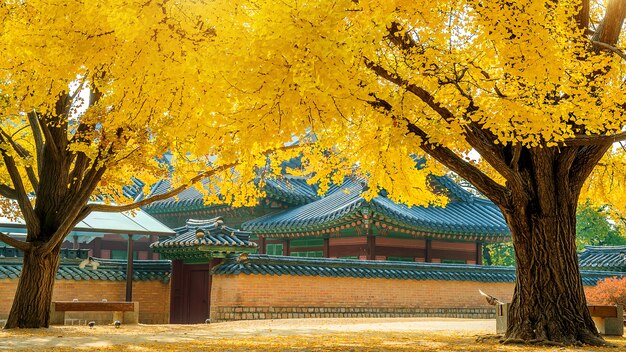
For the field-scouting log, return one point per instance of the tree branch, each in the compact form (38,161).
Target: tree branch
(447,157)
(24,154)
(177,190)
(33,121)
(163,196)
(22,198)
(586,159)
(8,192)
(479,139)
(21,245)
(49,139)
(582,17)
(78,214)
(594,139)
(619,52)
(611,26)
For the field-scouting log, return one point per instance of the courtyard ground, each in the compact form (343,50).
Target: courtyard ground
(410,334)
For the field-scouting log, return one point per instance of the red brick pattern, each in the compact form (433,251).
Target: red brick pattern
(236,293)
(314,291)
(153,296)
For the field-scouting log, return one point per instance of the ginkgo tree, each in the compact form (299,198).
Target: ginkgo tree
(535,87)
(94,93)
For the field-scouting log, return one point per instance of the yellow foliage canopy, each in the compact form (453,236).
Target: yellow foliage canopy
(223,83)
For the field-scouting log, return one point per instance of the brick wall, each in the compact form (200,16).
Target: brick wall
(235,297)
(153,297)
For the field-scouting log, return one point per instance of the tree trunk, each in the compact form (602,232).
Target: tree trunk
(31,307)
(549,304)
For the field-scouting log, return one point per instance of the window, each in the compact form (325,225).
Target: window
(274,249)
(310,254)
(400,259)
(117,254)
(309,242)
(452,261)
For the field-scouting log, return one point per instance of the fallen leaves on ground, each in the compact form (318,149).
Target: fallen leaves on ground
(215,338)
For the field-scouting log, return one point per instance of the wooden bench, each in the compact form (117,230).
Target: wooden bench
(609,320)
(125,312)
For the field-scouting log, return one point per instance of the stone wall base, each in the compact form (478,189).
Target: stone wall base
(253,313)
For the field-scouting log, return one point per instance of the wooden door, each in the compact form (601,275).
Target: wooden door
(190,293)
(197,295)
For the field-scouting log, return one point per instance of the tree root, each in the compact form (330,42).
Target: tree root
(588,340)
(537,342)
(489,338)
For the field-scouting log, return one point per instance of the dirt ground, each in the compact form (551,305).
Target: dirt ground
(409,334)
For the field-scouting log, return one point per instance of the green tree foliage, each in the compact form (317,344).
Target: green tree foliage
(593,228)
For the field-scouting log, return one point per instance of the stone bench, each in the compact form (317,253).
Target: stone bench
(609,320)
(125,312)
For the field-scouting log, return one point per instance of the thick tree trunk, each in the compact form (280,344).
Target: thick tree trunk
(31,307)
(549,304)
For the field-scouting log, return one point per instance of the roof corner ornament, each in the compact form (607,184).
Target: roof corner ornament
(242,257)
(200,233)
(89,261)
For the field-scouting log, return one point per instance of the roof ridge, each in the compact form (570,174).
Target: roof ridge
(278,265)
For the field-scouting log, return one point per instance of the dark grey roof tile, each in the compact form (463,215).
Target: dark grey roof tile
(610,258)
(464,215)
(109,269)
(279,265)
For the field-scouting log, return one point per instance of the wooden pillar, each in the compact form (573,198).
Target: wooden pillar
(75,245)
(429,248)
(153,238)
(262,245)
(176,292)
(326,248)
(479,253)
(286,249)
(97,247)
(371,247)
(129,270)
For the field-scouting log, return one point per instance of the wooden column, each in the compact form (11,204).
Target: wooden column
(97,247)
(326,248)
(75,245)
(262,245)
(286,249)
(153,238)
(479,253)
(129,270)
(371,247)
(428,251)
(176,292)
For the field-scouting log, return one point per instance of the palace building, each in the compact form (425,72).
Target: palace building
(293,220)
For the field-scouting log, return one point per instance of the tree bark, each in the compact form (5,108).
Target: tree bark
(31,307)
(549,304)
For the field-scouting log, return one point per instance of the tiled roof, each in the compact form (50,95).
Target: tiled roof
(217,238)
(287,189)
(188,200)
(611,258)
(7,251)
(278,265)
(133,190)
(465,215)
(108,270)
(292,190)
